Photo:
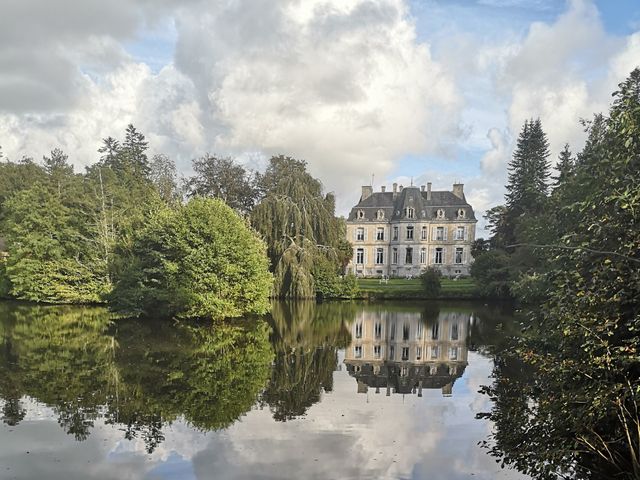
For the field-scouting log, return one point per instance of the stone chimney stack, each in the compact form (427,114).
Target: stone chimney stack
(383,189)
(422,187)
(429,191)
(367,191)
(458,190)
(395,190)
(401,187)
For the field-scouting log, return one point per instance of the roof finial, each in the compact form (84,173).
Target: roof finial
(412,181)
(372,177)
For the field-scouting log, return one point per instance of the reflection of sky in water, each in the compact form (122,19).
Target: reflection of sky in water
(346,435)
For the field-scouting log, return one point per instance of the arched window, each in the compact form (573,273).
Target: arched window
(360,214)
(461,213)
(440,213)
(380,214)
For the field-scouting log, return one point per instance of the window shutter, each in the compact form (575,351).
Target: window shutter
(355,233)
(466,233)
(365,233)
(433,232)
(464,255)
(446,230)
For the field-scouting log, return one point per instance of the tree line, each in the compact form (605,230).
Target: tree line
(128,232)
(567,247)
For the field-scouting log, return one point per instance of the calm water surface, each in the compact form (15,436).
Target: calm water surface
(343,391)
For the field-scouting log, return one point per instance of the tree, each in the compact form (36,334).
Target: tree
(298,224)
(564,167)
(223,178)
(195,260)
(580,416)
(133,152)
(431,285)
(162,172)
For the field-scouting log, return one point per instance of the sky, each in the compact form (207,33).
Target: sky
(390,90)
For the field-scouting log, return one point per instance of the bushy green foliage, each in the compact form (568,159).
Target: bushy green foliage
(579,415)
(430,278)
(196,260)
(329,284)
(492,273)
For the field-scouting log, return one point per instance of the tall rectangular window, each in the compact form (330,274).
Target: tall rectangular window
(360,256)
(394,256)
(423,235)
(378,330)
(376,351)
(358,330)
(405,353)
(460,233)
(360,233)
(459,255)
(392,352)
(419,330)
(423,256)
(379,256)
(393,330)
(434,352)
(405,331)
(434,331)
(409,256)
(454,331)
(380,233)
(410,232)
(437,259)
(357,351)
(440,233)
(418,353)
(395,233)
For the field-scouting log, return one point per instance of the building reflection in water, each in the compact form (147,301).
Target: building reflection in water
(402,352)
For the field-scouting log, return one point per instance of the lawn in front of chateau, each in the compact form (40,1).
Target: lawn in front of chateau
(405,288)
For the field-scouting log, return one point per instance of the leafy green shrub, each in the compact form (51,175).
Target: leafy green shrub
(196,260)
(492,272)
(431,281)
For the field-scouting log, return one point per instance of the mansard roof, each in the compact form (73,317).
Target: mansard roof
(393,205)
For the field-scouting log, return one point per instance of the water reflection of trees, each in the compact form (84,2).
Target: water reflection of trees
(138,375)
(306,338)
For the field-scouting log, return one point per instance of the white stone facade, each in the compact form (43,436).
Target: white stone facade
(400,233)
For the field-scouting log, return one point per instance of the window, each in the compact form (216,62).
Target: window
(433,370)
(453,353)
(357,351)
(460,233)
(439,233)
(409,256)
(440,213)
(378,330)
(435,330)
(405,353)
(380,233)
(395,233)
(394,256)
(410,232)
(404,371)
(358,330)
(419,330)
(418,353)
(459,255)
(410,212)
(423,256)
(392,352)
(360,256)
(405,331)
(376,351)
(454,331)
(360,214)
(437,259)
(461,213)
(360,233)
(423,234)
(380,214)
(393,330)
(379,256)
(434,352)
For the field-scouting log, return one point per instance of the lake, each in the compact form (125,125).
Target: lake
(334,390)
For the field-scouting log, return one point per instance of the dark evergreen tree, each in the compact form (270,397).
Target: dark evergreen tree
(565,167)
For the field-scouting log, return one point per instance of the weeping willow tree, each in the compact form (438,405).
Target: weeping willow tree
(298,223)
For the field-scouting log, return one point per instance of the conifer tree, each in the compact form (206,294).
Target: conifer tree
(565,167)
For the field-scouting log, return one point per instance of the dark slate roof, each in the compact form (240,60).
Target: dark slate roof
(393,208)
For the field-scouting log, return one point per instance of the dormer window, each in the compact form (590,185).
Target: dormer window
(409,212)
(360,214)
(461,213)
(380,214)
(440,213)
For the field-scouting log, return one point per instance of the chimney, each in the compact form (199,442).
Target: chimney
(383,189)
(458,190)
(401,187)
(422,187)
(395,190)
(429,191)
(367,191)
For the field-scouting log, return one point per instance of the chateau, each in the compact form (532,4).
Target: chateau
(404,352)
(399,233)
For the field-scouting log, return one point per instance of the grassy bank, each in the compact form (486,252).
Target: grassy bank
(400,288)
